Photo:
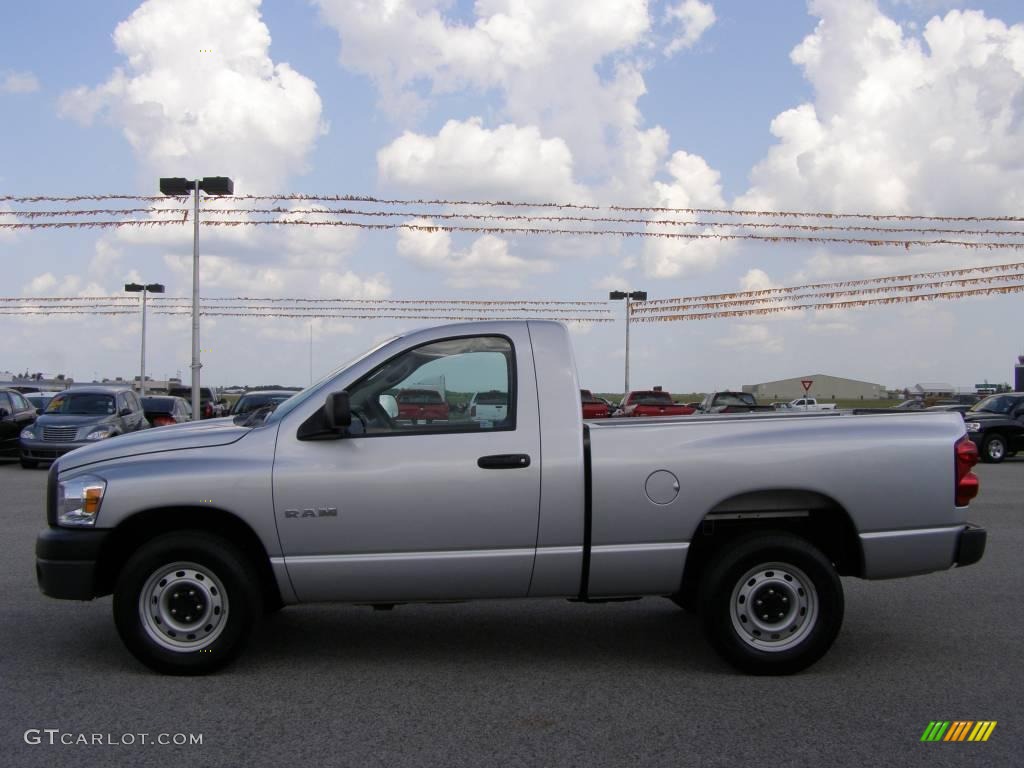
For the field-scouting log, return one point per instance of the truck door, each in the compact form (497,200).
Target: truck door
(400,509)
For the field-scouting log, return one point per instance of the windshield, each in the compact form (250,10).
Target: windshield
(492,398)
(995,404)
(312,390)
(651,397)
(734,398)
(419,396)
(247,403)
(157,403)
(82,404)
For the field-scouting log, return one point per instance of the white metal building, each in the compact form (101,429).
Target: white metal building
(824,387)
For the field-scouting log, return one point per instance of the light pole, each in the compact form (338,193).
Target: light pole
(178,187)
(143,289)
(627,296)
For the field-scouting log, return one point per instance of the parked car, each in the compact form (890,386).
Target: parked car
(16,414)
(653,402)
(490,406)
(751,520)
(594,407)
(78,417)
(250,401)
(914,404)
(164,410)
(731,402)
(211,404)
(421,405)
(40,400)
(996,425)
(809,404)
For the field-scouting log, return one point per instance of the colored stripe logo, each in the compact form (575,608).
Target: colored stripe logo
(958,730)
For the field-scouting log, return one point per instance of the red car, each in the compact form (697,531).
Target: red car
(592,407)
(421,405)
(653,402)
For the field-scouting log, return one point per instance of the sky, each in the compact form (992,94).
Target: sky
(887,107)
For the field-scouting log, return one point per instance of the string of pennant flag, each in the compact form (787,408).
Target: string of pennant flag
(540,218)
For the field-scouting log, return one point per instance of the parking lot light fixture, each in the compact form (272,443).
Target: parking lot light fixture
(143,289)
(628,296)
(179,187)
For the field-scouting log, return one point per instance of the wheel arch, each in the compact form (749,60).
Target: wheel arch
(146,525)
(813,515)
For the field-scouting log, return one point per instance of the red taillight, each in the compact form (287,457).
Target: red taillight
(163,421)
(966,481)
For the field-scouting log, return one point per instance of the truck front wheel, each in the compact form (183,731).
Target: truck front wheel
(185,603)
(993,450)
(772,603)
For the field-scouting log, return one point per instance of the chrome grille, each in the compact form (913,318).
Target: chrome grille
(59,434)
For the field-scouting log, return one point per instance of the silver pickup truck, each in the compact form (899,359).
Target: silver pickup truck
(748,520)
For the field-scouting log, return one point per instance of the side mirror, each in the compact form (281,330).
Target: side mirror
(337,411)
(125,412)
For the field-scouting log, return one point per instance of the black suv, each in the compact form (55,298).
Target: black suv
(996,425)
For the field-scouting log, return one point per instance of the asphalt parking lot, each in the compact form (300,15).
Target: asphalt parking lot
(543,683)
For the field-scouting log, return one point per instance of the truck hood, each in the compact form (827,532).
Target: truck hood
(193,434)
(985,416)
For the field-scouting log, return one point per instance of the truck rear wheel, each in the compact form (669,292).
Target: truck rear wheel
(186,602)
(772,603)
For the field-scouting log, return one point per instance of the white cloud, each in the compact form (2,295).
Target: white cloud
(18,82)
(756,280)
(694,17)
(487,261)
(228,274)
(510,161)
(752,337)
(694,185)
(568,68)
(348,285)
(900,124)
(200,95)
(316,247)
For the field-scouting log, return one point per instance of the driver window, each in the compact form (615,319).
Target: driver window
(456,385)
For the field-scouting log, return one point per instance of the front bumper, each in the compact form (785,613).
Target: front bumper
(971,545)
(42,450)
(67,560)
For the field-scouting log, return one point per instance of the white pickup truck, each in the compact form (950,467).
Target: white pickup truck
(810,404)
(749,520)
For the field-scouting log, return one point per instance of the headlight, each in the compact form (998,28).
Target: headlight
(28,434)
(973,426)
(78,500)
(100,433)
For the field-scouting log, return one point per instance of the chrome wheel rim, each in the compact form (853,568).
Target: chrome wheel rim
(183,607)
(774,607)
(995,449)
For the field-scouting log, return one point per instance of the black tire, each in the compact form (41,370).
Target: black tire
(28,463)
(788,575)
(993,450)
(206,574)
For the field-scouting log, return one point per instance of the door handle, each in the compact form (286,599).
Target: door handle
(504,461)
